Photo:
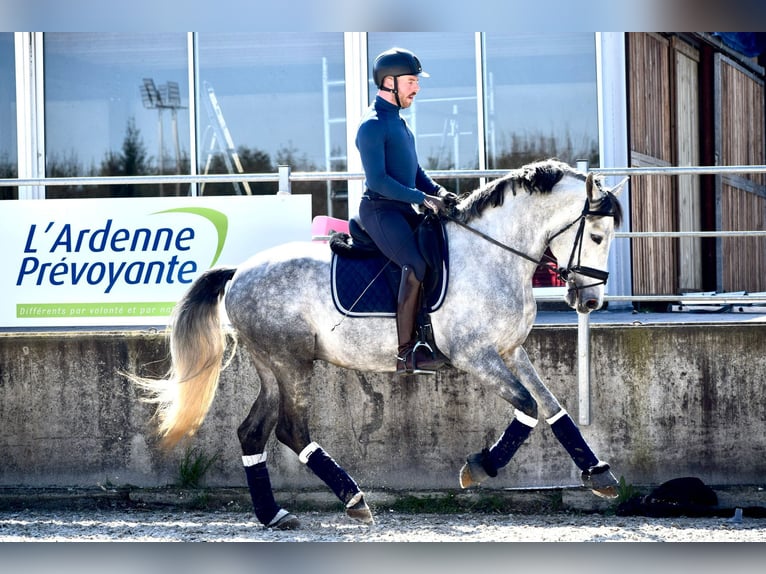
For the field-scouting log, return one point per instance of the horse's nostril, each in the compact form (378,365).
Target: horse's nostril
(591,304)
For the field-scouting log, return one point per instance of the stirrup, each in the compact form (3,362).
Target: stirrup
(425,337)
(407,364)
(434,360)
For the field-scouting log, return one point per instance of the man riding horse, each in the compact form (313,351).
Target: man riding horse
(394,181)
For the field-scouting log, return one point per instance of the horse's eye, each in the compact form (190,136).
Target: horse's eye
(597,239)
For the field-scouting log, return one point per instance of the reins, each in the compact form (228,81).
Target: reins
(564,273)
(494,241)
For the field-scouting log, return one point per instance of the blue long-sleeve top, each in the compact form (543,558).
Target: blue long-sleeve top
(389,158)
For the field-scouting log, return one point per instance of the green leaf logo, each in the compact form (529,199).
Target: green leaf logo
(218,219)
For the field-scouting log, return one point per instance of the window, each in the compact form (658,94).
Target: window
(116,105)
(541,101)
(541,98)
(8,150)
(281,99)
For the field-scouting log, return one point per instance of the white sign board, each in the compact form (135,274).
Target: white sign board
(77,262)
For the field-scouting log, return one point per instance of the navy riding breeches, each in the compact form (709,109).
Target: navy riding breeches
(392,226)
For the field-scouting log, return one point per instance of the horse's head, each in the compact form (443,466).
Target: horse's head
(582,248)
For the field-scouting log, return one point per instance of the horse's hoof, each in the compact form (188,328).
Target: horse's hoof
(601,481)
(466,480)
(473,473)
(606,492)
(360,512)
(286,522)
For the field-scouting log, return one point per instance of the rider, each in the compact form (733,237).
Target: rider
(394,181)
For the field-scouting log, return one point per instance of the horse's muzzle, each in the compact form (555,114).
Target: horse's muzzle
(584,299)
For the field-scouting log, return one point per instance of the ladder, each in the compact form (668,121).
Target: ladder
(222,139)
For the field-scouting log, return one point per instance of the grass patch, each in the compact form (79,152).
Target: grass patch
(625,491)
(193,467)
(487,502)
(410,504)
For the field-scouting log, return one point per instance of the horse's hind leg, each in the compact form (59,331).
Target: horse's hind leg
(292,431)
(339,481)
(253,435)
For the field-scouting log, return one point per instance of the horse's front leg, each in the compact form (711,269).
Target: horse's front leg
(596,474)
(492,371)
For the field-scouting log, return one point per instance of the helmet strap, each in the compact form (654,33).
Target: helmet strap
(394,90)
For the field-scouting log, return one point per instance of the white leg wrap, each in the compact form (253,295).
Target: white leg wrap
(253,459)
(525,419)
(557,416)
(307,452)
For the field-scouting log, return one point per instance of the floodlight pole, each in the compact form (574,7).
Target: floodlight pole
(167,97)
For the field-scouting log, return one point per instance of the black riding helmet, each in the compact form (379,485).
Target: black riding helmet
(396,62)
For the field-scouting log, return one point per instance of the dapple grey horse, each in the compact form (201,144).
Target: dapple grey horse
(280,306)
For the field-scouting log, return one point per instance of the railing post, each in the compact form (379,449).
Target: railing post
(583,349)
(284,180)
(583,367)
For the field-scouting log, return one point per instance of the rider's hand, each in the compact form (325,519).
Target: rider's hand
(435,204)
(450,199)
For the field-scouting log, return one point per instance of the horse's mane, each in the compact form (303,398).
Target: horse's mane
(538,177)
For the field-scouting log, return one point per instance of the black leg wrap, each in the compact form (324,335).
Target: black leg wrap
(483,465)
(261,494)
(322,464)
(487,464)
(574,443)
(501,453)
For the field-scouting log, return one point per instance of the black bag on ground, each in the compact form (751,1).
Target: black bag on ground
(687,496)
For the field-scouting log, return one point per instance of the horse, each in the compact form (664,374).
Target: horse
(280,308)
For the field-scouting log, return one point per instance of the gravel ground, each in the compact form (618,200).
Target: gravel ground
(137,525)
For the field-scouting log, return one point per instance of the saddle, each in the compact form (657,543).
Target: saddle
(364,283)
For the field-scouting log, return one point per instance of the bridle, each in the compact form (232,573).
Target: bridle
(564,273)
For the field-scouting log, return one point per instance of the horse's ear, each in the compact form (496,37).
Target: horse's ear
(589,186)
(618,188)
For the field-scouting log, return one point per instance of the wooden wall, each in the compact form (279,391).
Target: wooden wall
(666,85)
(687,111)
(653,198)
(741,198)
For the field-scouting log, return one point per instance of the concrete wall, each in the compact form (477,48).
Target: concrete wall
(667,401)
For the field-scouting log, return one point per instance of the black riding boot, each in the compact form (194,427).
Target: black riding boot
(410,360)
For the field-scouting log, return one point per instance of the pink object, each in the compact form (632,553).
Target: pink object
(323,225)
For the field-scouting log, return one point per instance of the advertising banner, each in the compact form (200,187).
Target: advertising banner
(120,262)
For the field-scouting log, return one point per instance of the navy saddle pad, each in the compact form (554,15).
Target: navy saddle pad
(364,283)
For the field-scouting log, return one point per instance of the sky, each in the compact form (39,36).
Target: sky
(353,15)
